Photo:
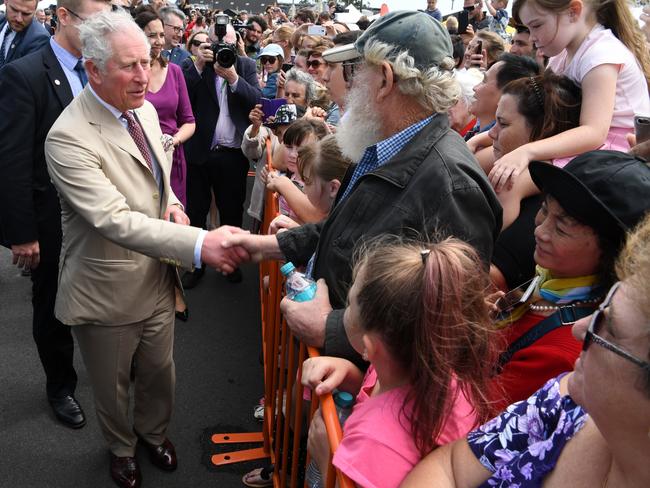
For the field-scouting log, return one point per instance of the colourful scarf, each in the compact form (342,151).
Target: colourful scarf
(559,291)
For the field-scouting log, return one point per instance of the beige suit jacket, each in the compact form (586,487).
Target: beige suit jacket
(116,247)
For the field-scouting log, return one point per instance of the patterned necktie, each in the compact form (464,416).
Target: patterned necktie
(81,73)
(4,45)
(138,137)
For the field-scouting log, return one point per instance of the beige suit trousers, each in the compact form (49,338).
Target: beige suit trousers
(108,351)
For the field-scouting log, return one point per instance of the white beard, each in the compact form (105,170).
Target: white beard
(360,126)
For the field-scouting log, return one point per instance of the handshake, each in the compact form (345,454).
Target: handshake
(227,247)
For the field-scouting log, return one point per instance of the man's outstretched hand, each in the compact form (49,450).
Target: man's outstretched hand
(223,259)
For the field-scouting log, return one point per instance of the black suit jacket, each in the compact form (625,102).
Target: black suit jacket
(203,96)
(30,39)
(33,93)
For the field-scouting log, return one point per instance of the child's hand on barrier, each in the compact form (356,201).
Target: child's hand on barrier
(281,223)
(323,374)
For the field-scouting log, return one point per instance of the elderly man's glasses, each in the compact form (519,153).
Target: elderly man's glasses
(75,14)
(596,324)
(350,67)
(177,30)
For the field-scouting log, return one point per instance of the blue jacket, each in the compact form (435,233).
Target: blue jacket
(178,55)
(30,39)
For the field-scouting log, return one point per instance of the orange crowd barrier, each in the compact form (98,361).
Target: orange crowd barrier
(285,417)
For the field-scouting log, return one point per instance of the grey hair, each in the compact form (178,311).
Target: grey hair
(434,88)
(467,79)
(95,35)
(165,12)
(305,79)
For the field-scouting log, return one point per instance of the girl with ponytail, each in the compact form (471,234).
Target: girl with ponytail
(417,314)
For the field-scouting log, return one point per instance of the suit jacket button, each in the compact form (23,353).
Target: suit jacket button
(156,196)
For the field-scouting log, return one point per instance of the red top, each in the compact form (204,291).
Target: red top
(531,367)
(468,127)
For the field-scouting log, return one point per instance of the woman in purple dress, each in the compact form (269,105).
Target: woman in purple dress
(167,92)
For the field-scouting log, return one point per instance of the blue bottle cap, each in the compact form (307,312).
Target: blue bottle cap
(287,268)
(343,399)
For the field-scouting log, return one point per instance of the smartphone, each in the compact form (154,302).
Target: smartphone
(316,30)
(286,67)
(642,128)
(463,21)
(515,297)
(269,107)
(479,47)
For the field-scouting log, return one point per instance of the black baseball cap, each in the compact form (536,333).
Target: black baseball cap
(606,190)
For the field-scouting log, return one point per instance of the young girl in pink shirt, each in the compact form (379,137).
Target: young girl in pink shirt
(417,313)
(598,45)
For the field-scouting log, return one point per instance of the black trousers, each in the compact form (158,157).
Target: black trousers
(53,339)
(224,172)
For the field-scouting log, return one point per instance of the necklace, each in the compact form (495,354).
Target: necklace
(549,308)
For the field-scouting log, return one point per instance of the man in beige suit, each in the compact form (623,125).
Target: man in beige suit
(105,157)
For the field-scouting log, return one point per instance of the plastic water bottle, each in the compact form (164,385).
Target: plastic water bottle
(299,287)
(343,402)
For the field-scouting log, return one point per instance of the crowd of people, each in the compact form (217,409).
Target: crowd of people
(468,191)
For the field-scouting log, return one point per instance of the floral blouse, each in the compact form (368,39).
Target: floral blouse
(522,445)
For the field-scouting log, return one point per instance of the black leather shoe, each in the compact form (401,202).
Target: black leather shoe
(184,315)
(235,277)
(125,471)
(162,456)
(68,411)
(191,278)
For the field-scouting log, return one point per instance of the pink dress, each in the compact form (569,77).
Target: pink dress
(601,46)
(173,106)
(377,449)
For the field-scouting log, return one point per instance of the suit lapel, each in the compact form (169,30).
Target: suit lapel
(56,76)
(110,127)
(210,80)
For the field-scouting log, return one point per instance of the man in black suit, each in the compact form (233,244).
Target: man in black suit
(221,100)
(20,32)
(34,90)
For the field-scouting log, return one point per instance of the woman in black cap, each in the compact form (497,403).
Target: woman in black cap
(588,207)
(590,427)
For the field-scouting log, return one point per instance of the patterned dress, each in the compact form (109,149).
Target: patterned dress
(522,445)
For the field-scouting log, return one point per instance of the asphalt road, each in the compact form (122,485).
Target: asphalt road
(219,380)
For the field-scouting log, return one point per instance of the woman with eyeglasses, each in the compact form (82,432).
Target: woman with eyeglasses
(270,58)
(579,229)
(587,428)
(194,42)
(167,92)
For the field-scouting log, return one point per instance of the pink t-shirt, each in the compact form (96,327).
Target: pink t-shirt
(601,46)
(377,449)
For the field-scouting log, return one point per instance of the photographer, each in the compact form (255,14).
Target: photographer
(252,34)
(223,89)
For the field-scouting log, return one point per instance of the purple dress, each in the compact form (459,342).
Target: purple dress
(173,106)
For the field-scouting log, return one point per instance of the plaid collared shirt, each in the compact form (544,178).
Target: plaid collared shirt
(375,157)
(379,154)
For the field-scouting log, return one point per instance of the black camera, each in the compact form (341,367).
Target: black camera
(225,54)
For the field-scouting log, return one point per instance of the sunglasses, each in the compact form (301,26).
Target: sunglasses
(315,63)
(349,68)
(267,60)
(196,43)
(595,325)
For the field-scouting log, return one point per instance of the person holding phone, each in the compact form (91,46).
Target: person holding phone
(271,59)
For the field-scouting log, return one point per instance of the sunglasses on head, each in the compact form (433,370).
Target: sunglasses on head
(267,60)
(592,335)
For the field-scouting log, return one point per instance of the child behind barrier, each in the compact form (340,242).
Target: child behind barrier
(292,200)
(416,312)
(321,167)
